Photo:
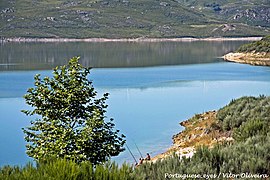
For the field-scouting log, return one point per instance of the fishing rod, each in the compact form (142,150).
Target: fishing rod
(138,148)
(132,154)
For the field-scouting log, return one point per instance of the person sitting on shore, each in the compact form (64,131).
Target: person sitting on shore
(140,162)
(148,158)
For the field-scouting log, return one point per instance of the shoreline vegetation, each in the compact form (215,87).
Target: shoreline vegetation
(140,39)
(231,141)
(241,121)
(255,53)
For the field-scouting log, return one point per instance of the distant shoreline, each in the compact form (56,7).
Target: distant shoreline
(20,39)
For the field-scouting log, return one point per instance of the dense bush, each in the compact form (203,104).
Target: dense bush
(63,169)
(250,156)
(244,109)
(251,128)
(259,46)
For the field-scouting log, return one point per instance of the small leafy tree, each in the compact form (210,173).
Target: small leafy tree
(70,119)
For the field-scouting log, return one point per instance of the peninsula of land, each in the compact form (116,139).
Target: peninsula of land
(257,59)
(256,53)
(213,137)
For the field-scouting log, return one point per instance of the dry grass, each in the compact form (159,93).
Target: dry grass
(200,130)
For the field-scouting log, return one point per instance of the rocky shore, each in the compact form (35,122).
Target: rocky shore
(257,59)
(200,130)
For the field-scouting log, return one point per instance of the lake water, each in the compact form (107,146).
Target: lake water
(152,86)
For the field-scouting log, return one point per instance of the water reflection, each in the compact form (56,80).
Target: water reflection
(30,56)
(146,103)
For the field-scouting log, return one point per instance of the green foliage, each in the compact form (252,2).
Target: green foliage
(251,128)
(251,155)
(259,46)
(242,110)
(70,119)
(62,169)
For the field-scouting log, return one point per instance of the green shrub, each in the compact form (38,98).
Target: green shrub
(242,110)
(251,128)
(62,169)
(259,46)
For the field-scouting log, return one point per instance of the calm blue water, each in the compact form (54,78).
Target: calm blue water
(147,103)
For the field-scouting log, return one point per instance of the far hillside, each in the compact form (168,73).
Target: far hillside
(134,18)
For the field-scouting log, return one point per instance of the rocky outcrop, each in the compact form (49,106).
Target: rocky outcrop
(257,15)
(258,59)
